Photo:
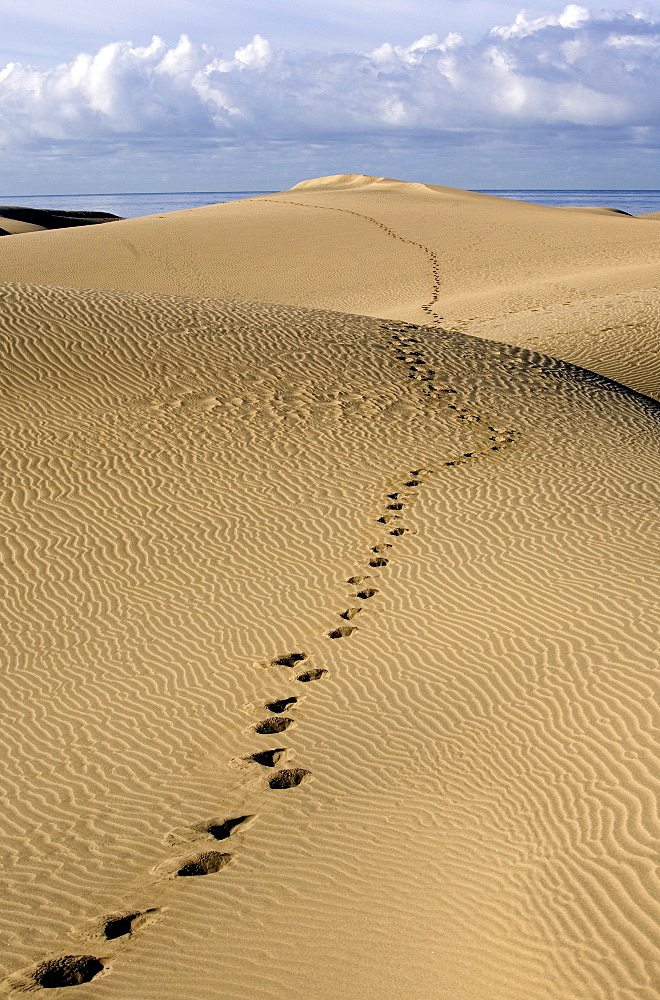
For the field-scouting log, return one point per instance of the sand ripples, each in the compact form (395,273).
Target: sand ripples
(197,495)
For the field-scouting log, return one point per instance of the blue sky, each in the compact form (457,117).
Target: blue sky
(207,95)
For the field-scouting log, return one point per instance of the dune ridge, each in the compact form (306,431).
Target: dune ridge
(432,553)
(17,219)
(578,285)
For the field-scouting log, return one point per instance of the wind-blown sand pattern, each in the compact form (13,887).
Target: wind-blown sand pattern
(330,652)
(579,284)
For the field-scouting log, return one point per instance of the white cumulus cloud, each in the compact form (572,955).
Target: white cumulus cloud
(571,69)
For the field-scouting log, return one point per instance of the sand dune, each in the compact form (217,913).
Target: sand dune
(11,227)
(15,219)
(330,634)
(330,646)
(578,284)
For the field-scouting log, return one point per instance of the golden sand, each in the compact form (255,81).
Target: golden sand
(330,636)
(573,283)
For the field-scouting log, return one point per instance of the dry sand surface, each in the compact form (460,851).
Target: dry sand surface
(579,284)
(330,641)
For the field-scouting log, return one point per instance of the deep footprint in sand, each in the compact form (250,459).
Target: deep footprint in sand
(312,675)
(219,828)
(378,561)
(290,660)
(206,863)
(365,594)
(68,970)
(275,725)
(269,758)
(350,613)
(280,705)
(223,828)
(116,925)
(342,632)
(289,778)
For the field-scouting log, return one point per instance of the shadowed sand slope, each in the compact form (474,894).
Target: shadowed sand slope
(581,285)
(15,219)
(328,659)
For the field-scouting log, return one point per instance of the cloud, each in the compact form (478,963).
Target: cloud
(570,17)
(569,70)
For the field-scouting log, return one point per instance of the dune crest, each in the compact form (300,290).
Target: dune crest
(343,182)
(577,284)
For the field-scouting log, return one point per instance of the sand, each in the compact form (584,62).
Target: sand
(578,284)
(330,639)
(15,219)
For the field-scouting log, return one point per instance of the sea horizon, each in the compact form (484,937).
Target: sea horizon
(131,205)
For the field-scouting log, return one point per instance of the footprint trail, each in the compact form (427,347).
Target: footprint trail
(120,927)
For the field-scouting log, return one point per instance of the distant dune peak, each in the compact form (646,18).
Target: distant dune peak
(344,181)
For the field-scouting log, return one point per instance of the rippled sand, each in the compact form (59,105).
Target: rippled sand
(579,284)
(329,658)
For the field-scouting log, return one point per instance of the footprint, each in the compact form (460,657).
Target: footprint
(115,925)
(394,506)
(357,579)
(365,594)
(398,531)
(341,632)
(281,705)
(378,561)
(413,482)
(350,613)
(312,675)
(269,758)
(289,660)
(219,829)
(389,519)
(206,863)
(69,970)
(269,726)
(289,778)
(382,548)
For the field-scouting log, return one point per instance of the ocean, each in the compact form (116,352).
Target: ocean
(130,206)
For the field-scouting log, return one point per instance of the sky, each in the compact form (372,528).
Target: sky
(205,95)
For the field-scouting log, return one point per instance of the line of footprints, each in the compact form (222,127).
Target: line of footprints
(72,970)
(431,256)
